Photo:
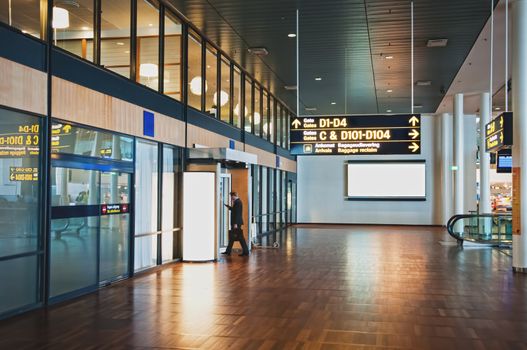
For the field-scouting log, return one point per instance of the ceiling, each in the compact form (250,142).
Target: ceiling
(345,42)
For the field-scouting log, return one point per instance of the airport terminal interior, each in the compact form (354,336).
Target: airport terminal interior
(271,174)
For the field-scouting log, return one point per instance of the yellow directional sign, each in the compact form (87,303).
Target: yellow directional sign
(414,147)
(414,134)
(23,174)
(498,133)
(413,120)
(296,123)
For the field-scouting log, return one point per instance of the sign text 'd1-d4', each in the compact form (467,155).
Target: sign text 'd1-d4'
(356,135)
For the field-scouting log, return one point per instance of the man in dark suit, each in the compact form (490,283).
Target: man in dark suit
(236,233)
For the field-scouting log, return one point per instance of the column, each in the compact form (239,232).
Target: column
(484,157)
(519,150)
(459,178)
(446,168)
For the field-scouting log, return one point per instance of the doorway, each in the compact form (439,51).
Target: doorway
(90,226)
(224,217)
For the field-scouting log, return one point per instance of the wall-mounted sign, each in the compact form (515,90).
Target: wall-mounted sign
(23,173)
(19,140)
(356,135)
(106,152)
(109,209)
(498,133)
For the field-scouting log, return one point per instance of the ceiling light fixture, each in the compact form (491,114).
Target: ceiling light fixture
(258,51)
(224,98)
(61,18)
(119,43)
(423,83)
(437,43)
(333,103)
(389,91)
(291,35)
(148,70)
(389,57)
(497,108)
(318,78)
(389,111)
(418,106)
(290,87)
(311,109)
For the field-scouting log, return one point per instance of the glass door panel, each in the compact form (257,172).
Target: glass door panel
(114,225)
(225,189)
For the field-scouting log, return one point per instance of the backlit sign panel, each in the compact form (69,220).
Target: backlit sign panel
(498,133)
(356,135)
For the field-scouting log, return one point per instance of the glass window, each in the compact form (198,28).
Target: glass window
(278,138)
(248,105)
(272,118)
(172,169)
(19,280)
(70,139)
(265,118)
(146,178)
(73,27)
(22,14)
(115,36)
(148,43)
(225,91)
(237,95)
(172,74)
(257,110)
(194,71)
(265,195)
(211,82)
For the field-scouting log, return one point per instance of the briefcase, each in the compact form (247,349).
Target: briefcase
(236,234)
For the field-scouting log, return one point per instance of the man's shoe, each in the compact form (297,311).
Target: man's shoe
(225,253)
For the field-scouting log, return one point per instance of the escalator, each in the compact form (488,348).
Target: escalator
(490,229)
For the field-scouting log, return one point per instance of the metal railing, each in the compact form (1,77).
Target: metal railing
(490,229)
(271,222)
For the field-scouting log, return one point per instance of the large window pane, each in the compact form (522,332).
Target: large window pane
(194,71)
(257,110)
(172,75)
(211,85)
(19,283)
(22,14)
(265,119)
(146,178)
(272,119)
(237,102)
(248,105)
(115,36)
(278,124)
(73,27)
(72,139)
(171,183)
(148,43)
(225,90)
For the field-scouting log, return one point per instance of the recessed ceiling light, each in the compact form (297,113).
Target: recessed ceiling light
(418,106)
(119,43)
(389,91)
(423,83)
(290,87)
(208,66)
(291,35)
(437,42)
(333,103)
(127,52)
(258,51)
(497,108)
(318,78)
(389,111)
(389,57)
(311,109)
(85,28)
(150,24)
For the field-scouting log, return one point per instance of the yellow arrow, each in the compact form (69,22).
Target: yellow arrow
(296,123)
(12,177)
(414,120)
(66,128)
(501,122)
(501,137)
(414,147)
(414,133)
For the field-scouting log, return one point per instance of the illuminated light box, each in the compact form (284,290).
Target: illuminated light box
(198,216)
(386,180)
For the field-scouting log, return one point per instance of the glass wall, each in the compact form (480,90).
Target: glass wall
(225,92)
(265,117)
(23,15)
(73,27)
(146,178)
(172,171)
(237,96)
(115,36)
(279,123)
(257,110)
(194,71)
(272,119)
(172,64)
(19,209)
(148,43)
(211,85)
(248,105)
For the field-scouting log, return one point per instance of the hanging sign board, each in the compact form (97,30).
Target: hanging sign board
(498,133)
(19,140)
(356,135)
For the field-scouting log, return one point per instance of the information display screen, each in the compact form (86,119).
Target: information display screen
(504,161)
(356,135)
(398,180)
(498,133)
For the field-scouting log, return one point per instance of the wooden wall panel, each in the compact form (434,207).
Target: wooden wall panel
(79,104)
(264,158)
(22,87)
(288,165)
(204,137)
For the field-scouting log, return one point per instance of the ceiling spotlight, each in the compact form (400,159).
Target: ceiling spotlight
(497,108)
(290,87)
(333,103)
(389,57)
(311,109)
(437,43)
(119,43)
(389,111)
(423,83)
(258,51)
(291,35)
(389,91)
(318,78)
(418,106)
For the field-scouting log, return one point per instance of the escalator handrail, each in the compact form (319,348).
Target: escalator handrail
(452,221)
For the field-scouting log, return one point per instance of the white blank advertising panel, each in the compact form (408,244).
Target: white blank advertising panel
(198,216)
(386,180)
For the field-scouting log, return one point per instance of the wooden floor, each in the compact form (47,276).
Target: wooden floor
(361,287)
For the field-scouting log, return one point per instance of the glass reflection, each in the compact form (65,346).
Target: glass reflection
(211,105)
(194,71)
(115,36)
(172,73)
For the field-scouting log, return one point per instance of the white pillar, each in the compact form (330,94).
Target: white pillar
(446,168)
(519,150)
(459,178)
(484,157)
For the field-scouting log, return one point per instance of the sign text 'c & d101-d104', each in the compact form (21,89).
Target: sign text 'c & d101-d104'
(356,135)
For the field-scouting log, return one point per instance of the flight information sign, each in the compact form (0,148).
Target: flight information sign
(19,140)
(356,135)
(498,133)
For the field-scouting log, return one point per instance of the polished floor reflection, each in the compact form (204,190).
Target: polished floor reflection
(338,287)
